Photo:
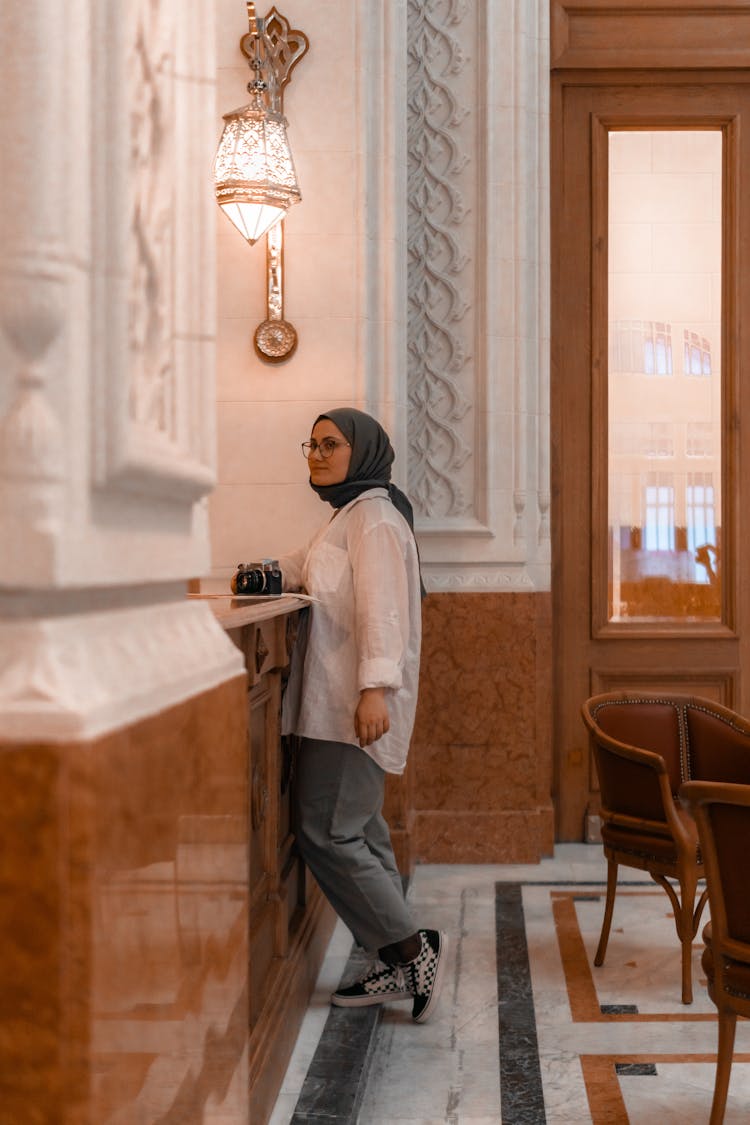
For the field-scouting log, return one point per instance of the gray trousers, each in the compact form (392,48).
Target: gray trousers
(344,840)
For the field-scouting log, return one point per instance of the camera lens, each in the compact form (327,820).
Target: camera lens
(250,582)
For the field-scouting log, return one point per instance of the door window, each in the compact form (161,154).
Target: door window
(664,375)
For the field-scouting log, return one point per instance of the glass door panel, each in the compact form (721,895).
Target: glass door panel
(664,375)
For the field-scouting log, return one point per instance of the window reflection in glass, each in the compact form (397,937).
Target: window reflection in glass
(664,385)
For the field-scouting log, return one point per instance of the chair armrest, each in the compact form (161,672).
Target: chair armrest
(635,787)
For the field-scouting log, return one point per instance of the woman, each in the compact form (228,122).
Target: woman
(352,696)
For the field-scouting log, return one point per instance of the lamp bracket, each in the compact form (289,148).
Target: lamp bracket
(284,46)
(275,338)
(273,49)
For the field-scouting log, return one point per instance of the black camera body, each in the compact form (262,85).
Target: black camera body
(262,577)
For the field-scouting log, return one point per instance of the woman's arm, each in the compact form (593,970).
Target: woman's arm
(382,621)
(291,569)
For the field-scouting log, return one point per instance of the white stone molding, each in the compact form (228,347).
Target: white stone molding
(149,416)
(478,275)
(107,305)
(380,81)
(530,79)
(478,579)
(32,456)
(33,290)
(79,676)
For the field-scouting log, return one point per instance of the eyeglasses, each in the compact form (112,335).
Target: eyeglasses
(325,447)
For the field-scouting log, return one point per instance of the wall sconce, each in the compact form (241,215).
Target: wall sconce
(256,182)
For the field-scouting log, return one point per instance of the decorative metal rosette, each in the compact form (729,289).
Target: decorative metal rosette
(275,340)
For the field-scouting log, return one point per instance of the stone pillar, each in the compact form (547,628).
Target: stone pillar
(478,418)
(122,930)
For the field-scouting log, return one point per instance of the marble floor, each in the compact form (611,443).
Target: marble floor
(527,1032)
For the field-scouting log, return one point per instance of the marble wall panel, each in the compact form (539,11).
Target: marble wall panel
(469,837)
(123,932)
(398,809)
(481,749)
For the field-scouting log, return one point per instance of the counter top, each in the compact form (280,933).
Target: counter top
(231,611)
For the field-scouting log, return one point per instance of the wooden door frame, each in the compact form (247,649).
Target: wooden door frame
(711,51)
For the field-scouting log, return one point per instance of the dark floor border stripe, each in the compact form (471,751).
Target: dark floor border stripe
(590,882)
(336,1079)
(521,1092)
(337,1076)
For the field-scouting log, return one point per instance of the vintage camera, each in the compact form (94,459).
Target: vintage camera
(262,577)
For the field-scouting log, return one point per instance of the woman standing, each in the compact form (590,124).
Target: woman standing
(352,696)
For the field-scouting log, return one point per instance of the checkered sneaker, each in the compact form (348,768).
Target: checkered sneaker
(425,973)
(379,986)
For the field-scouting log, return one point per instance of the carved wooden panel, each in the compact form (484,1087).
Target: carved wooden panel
(650,33)
(718,684)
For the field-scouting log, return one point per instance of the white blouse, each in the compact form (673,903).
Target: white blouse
(365,627)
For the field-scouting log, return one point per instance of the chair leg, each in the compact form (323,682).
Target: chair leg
(608,908)
(685,920)
(727,1026)
(686,930)
(687,967)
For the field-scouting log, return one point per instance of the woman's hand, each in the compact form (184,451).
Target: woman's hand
(371,719)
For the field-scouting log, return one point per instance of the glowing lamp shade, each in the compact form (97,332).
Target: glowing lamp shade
(256,183)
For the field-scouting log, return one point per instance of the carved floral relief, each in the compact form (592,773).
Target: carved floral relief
(439,231)
(152,224)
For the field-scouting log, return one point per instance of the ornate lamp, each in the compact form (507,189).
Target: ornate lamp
(256,183)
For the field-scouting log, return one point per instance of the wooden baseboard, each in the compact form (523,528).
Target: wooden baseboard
(273,1038)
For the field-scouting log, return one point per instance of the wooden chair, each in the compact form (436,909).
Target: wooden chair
(722,812)
(645,746)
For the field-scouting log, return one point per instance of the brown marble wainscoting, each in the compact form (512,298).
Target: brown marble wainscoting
(398,809)
(481,759)
(123,921)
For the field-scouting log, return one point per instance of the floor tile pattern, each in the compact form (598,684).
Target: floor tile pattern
(527,1031)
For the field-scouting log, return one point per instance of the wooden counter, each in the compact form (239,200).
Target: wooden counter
(289,921)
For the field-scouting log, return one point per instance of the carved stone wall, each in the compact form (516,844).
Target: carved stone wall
(149,255)
(35,271)
(443,111)
(477,291)
(106,306)
(106,363)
